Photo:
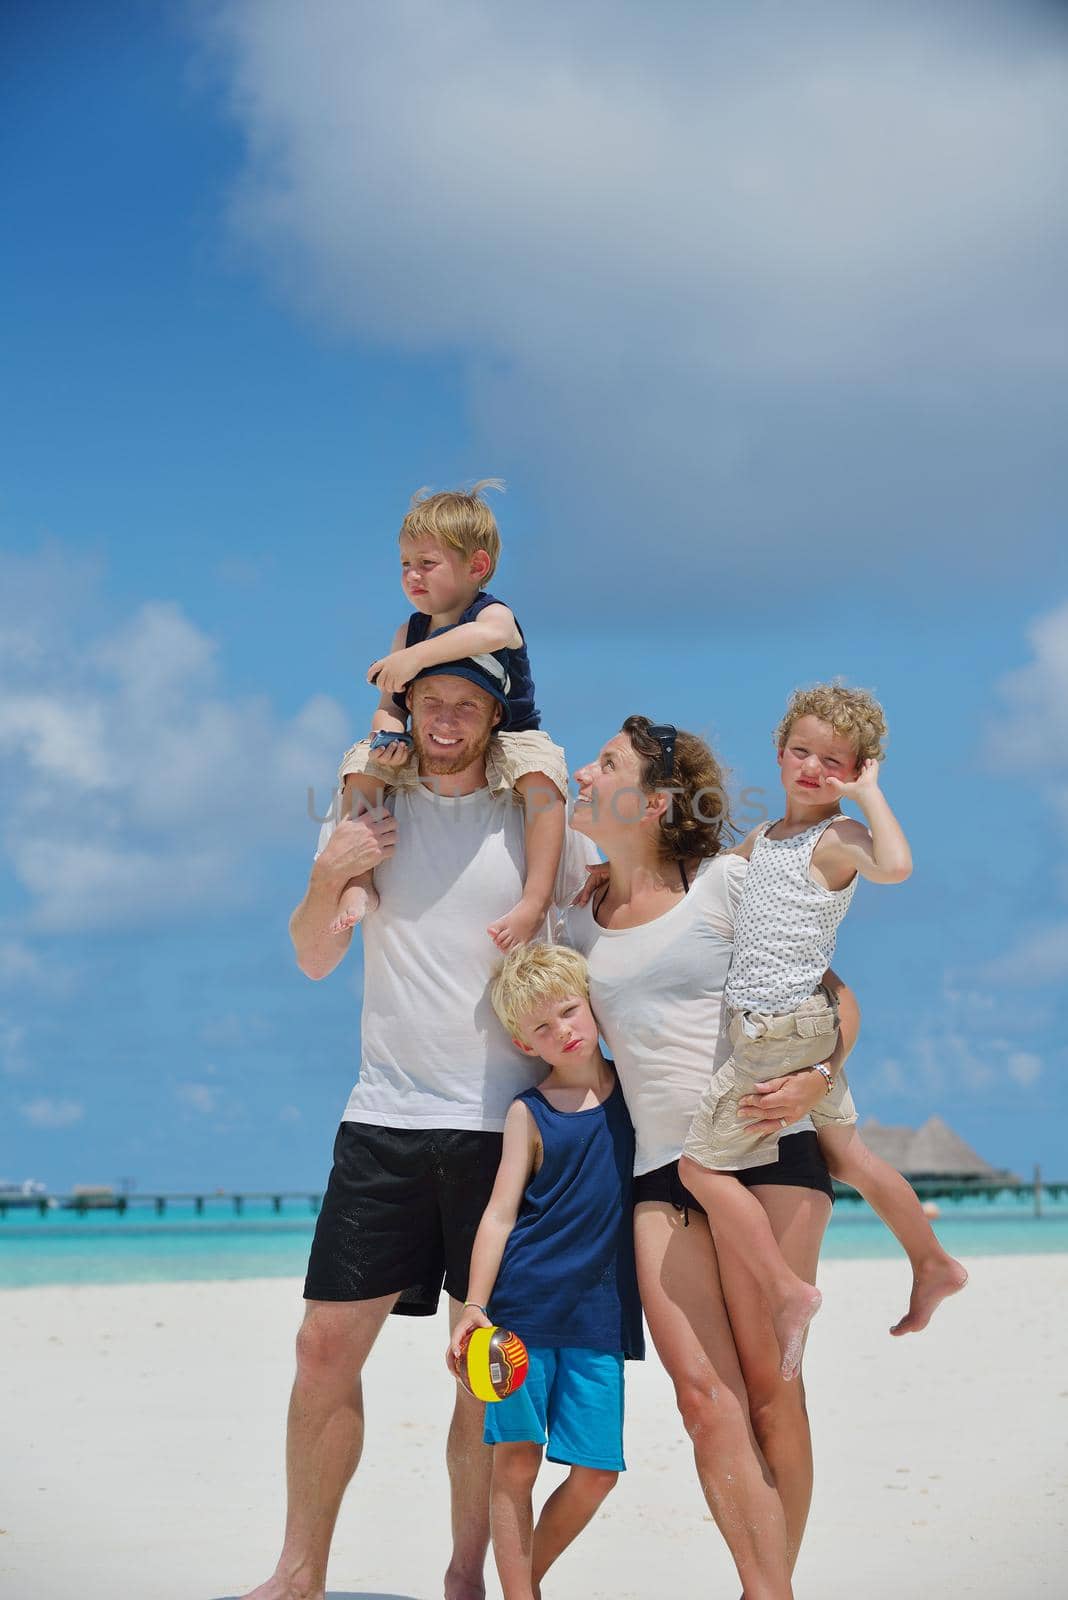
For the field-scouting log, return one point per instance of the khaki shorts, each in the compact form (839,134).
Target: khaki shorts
(766,1046)
(510,756)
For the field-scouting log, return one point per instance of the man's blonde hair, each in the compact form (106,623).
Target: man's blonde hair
(854,714)
(534,975)
(460,519)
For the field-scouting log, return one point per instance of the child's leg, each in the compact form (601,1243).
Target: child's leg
(935,1275)
(515,1467)
(546,820)
(740,1224)
(359,897)
(564,1515)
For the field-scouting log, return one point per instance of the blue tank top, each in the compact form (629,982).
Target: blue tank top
(522,712)
(567,1276)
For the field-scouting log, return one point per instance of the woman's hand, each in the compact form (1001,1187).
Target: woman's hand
(596,877)
(471,1317)
(776,1104)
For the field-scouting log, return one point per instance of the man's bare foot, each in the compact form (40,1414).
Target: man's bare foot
(935,1281)
(521,924)
(791,1320)
(278,1588)
(354,905)
(459,1586)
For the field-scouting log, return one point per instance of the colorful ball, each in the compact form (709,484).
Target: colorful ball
(493,1363)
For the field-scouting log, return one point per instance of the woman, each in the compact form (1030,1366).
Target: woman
(657,932)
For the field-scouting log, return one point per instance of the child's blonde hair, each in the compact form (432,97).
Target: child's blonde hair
(457,518)
(854,714)
(534,974)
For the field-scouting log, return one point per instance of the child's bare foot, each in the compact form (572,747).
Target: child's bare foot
(519,926)
(354,905)
(935,1281)
(791,1320)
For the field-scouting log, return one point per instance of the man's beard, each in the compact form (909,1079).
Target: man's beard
(436,765)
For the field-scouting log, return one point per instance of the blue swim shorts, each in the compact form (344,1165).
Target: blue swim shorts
(572,1402)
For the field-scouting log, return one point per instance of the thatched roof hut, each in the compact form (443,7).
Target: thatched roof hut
(933,1151)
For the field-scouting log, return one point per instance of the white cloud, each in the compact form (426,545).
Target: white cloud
(1029,731)
(49,1113)
(715,268)
(202,1097)
(290,1114)
(1036,959)
(1027,735)
(13,1060)
(1025,1068)
(150,790)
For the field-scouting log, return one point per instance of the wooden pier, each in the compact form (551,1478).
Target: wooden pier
(83,1204)
(100,1200)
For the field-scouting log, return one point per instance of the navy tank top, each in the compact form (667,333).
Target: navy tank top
(567,1277)
(523,714)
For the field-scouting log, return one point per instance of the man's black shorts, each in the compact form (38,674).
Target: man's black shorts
(400,1213)
(800,1165)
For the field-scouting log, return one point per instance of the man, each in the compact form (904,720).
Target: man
(417,1151)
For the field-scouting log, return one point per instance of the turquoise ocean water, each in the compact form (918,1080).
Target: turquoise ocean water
(139,1247)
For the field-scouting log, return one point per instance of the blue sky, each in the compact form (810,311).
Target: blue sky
(764,326)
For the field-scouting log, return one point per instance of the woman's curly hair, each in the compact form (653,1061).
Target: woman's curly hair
(697,822)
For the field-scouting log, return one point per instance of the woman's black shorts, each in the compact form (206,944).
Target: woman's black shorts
(401,1211)
(800,1165)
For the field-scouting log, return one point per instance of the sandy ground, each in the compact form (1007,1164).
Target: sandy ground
(141,1450)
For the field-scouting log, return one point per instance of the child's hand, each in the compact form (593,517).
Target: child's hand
(596,877)
(394,672)
(471,1317)
(865,783)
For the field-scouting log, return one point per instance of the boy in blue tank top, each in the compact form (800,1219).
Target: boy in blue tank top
(553,1260)
(450,547)
(803,870)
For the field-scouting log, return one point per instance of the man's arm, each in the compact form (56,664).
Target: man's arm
(352,849)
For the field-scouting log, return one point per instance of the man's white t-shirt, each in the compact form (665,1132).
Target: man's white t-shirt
(433,1054)
(657,993)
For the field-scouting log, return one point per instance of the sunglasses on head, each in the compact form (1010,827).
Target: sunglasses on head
(665,735)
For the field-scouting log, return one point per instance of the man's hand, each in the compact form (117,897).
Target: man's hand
(780,1102)
(358,846)
(395,672)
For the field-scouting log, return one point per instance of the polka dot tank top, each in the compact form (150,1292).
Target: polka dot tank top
(786,926)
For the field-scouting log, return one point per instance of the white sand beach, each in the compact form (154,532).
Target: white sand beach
(142,1450)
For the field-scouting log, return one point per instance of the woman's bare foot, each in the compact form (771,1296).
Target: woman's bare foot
(934,1282)
(354,905)
(791,1319)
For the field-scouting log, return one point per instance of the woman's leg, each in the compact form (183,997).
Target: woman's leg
(739,1222)
(798,1219)
(683,1300)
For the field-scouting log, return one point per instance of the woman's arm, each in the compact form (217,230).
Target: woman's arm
(518,1155)
(794,1096)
